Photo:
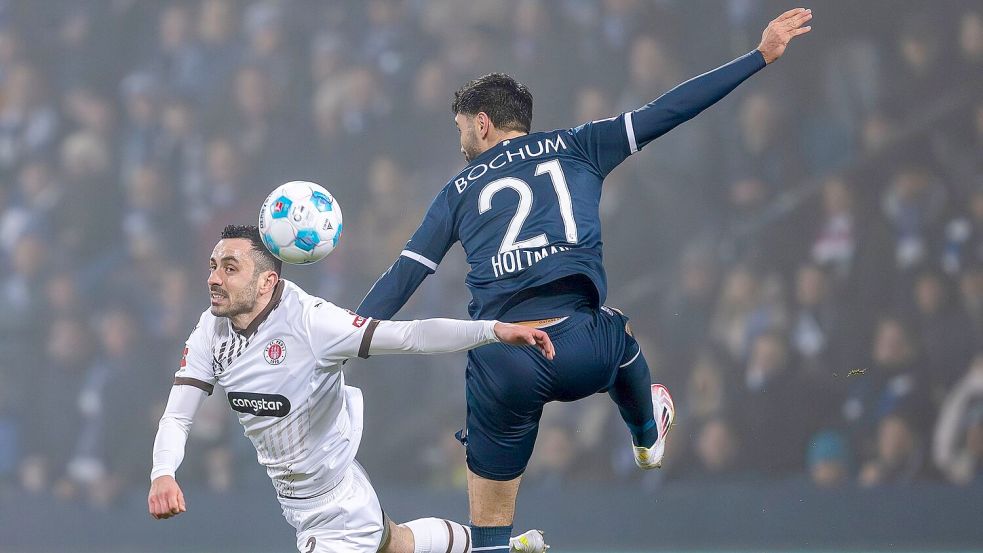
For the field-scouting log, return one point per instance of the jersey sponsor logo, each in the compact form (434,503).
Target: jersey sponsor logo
(259,405)
(275,352)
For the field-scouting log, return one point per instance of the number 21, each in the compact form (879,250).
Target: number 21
(521,187)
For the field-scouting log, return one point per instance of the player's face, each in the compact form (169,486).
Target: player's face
(469,136)
(233,285)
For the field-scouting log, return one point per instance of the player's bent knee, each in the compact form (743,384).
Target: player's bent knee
(399,539)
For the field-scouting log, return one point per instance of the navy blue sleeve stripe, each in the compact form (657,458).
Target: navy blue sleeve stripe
(688,99)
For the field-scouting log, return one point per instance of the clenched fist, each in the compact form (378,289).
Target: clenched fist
(778,33)
(166,499)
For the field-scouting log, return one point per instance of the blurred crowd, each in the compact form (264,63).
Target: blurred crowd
(803,262)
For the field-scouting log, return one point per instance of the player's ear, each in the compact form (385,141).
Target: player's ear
(268,282)
(482,124)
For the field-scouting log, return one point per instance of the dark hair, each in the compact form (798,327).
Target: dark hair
(507,102)
(265,261)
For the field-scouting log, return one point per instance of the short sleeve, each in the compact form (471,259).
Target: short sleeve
(337,334)
(196,361)
(430,242)
(606,142)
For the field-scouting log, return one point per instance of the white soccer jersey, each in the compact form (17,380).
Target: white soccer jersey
(282,375)
(283,378)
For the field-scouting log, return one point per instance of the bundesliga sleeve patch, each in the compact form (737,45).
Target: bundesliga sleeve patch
(359,320)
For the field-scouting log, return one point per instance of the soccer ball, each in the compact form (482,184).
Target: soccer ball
(300,222)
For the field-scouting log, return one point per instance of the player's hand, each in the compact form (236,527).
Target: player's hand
(778,33)
(166,499)
(518,335)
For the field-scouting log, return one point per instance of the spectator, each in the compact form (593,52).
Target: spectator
(748,306)
(828,459)
(263,25)
(835,243)
(758,161)
(141,128)
(964,236)
(686,313)
(899,458)
(717,448)
(181,151)
(219,48)
(971,38)
(86,169)
(912,203)
(50,436)
(708,391)
(231,196)
(89,110)
(110,449)
(957,447)
(35,207)
(971,300)
(944,333)
(178,60)
(20,293)
(814,320)
(893,380)
(28,123)
(768,416)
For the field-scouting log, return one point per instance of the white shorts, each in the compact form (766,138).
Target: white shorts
(346,519)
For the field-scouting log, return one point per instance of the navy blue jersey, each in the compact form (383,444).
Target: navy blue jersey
(526,210)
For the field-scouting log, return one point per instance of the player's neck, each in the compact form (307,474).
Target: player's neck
(498,137)
(243,321)
(507,135)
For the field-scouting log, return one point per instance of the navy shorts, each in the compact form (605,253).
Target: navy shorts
(508,386)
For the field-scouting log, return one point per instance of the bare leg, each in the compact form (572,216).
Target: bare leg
(400,539)
(492,502)
(427,535)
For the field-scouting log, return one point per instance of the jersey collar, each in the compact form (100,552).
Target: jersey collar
(254,325)
(491,152)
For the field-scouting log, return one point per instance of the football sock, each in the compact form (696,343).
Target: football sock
(490,539)
(439,536)
(632,391)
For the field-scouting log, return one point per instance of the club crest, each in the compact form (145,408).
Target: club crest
(275,352)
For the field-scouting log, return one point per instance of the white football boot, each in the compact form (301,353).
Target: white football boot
(651,457)
(530,542)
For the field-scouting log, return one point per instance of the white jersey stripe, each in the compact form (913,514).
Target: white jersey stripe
(623,365)
(630,131)
(420,259)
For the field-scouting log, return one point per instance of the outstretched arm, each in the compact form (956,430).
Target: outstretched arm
(166,499)
(687,100)
(610,141)
(446,336)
